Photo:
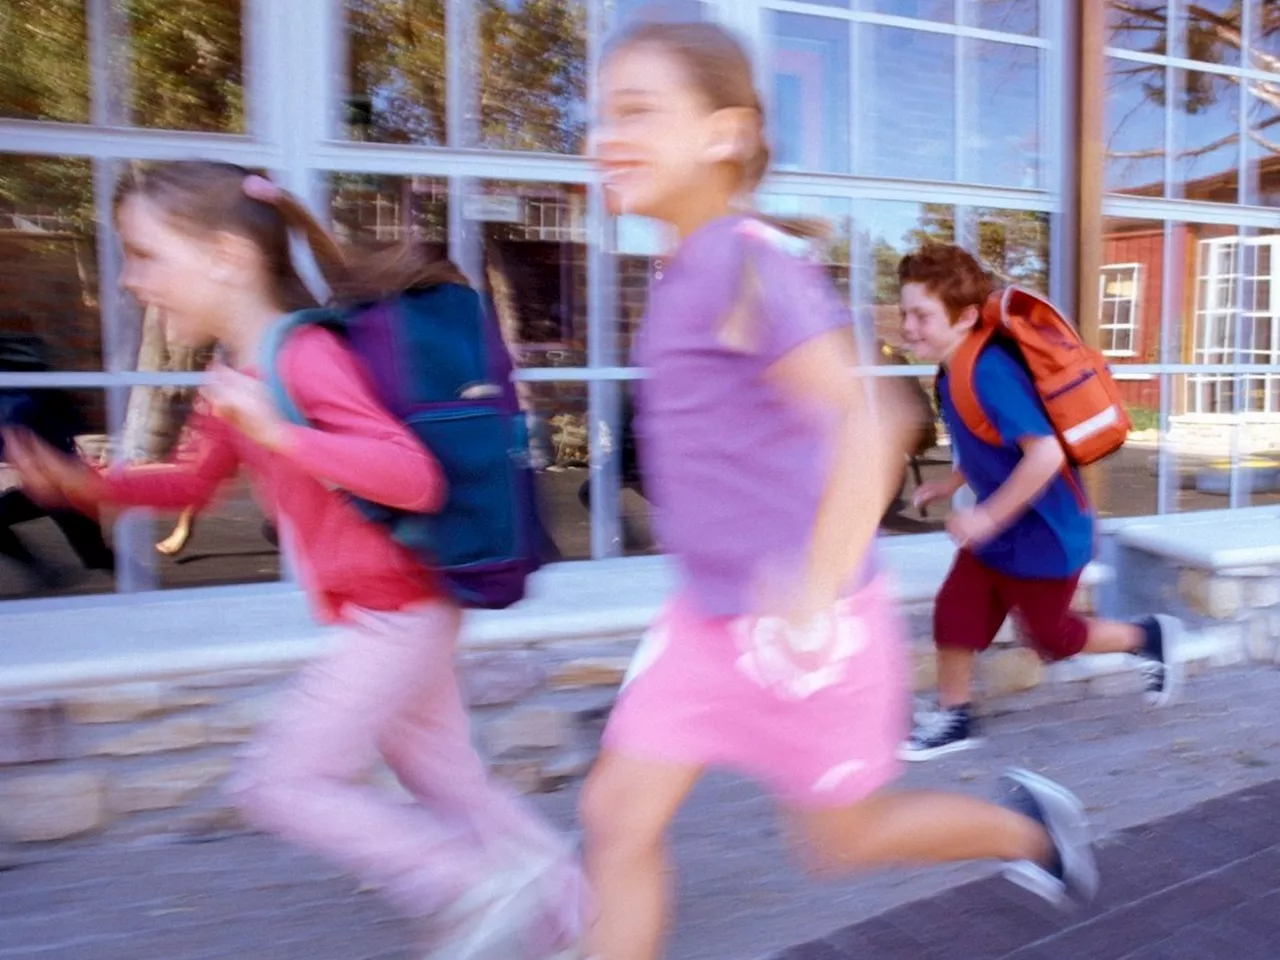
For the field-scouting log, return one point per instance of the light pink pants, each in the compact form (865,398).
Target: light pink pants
(389,688)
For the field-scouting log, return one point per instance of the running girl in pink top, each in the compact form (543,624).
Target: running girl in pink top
(782,655)
(208,243)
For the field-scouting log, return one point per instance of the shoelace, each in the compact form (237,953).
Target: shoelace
(1152,672)
(936,724)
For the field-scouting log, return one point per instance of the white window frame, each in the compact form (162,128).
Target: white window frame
(1108,329)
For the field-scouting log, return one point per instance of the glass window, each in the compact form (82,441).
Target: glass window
(1135,143)
(1007,16)
(44,553)
(1138,25)
(1264,46)
(185,66)
(622,13)
(885,231)
(1119,303)
(1013,245)
(942,10)
(48,257)
(1002,144)
(533,244)
(44,61)
(910,113)
(1207,136)
(810,109)
(396,71)
(532,87)
(387,209)
(1262,145)
(1212,29)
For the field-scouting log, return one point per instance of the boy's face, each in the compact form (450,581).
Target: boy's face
(926,325)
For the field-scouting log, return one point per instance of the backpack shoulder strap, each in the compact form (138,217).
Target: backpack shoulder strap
(273,342)
(962,372)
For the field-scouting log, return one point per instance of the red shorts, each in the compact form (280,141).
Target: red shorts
(975,600)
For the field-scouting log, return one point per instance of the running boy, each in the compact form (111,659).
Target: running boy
(1026,542)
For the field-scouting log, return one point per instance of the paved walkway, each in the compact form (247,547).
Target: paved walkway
(1200,885)
(739,897)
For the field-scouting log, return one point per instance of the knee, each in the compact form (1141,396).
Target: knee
(615,822)
(266,794)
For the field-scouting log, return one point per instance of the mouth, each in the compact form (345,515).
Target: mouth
(620,174)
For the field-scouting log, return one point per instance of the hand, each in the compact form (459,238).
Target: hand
(50,477)
(930,491)
(246,404)
(972,528)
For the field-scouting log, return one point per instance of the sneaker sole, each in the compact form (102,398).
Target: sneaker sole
(1171,631)
(919,756)
(1068,825)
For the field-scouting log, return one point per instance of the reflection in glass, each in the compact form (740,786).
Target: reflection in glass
(44,553)
(943,10)
(1130,292)
(185,66)
(1213,31)
(44,61)
(1135,128)
(48,257)
(911,123)
(534,246)
(396,71)
(1264,46)
(885,231)
(623,13)
(929,460)
(1138,25)
(1003,145)
(1013,245)
(830,214)
(810,109)
(1007,16)
(560,444)
(378,209)
(1262,148)
(1206,160)
(1126,484)
(533,75)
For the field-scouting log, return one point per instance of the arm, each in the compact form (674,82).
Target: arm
(1042,460)
(189,480)
(354,443)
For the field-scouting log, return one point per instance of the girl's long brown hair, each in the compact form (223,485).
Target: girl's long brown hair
(206,197)
(717,65)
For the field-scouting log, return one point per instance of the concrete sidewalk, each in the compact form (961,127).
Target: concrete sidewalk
(739,896)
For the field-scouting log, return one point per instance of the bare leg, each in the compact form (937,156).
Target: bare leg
(627,805)
(955,676)
(176,542)
(1113,636)
(894,828)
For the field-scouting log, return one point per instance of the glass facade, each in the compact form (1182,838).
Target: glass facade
(463,123)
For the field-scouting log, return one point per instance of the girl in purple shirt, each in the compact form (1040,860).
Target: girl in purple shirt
(782,655)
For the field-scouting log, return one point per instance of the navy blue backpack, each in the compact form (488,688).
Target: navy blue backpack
(438,364)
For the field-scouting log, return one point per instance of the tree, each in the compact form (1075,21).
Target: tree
(529,75)
(1212,36)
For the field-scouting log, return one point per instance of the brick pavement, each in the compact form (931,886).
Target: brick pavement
(1199,885)
(739,896)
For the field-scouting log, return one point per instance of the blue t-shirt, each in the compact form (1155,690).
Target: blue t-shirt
(1054,537)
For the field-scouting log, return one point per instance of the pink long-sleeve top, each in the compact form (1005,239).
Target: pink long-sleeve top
(353,445)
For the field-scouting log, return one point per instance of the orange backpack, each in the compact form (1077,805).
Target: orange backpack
(1073,381)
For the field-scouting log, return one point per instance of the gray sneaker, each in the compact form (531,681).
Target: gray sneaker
(1073,876)
(1161,667)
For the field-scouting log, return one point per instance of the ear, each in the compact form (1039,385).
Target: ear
(232,257)
(968,319)
(730,135)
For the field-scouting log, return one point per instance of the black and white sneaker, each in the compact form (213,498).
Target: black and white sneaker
(1161,668)
(1072,878)
(941,732)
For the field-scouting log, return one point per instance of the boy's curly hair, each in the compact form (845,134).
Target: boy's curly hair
(948,272)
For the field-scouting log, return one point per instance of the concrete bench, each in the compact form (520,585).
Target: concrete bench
(1218,570)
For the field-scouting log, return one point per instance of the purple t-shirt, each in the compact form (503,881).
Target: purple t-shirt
(734,468)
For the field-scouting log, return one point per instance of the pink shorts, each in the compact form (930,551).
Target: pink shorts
(817,718)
